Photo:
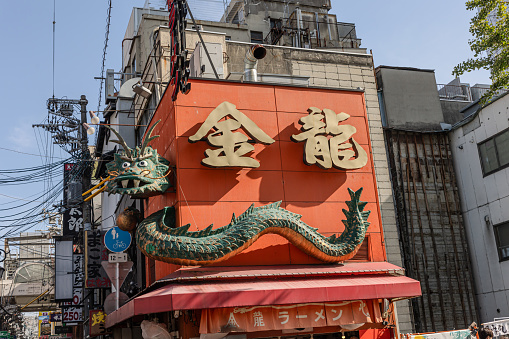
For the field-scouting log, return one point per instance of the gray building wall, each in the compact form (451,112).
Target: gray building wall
(452,110)
(429,216)
(410,98)
(484,202)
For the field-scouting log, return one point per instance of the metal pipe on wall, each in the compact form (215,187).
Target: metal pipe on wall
(253,54)
(298,13)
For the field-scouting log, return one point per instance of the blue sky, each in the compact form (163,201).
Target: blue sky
(432,34)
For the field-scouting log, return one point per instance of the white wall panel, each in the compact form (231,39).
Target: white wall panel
(504,203)
(504,268)
(502,183)
(477,236)
(464,176)
(480,132)
(495,212)
(491,188)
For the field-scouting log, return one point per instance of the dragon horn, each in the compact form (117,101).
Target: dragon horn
(121,142)
(149,138)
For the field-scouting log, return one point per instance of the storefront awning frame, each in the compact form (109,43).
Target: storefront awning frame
(215,287)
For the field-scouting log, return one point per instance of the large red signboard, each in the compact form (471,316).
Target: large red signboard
(317,190)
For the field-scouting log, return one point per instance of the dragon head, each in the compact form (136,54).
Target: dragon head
(138,172)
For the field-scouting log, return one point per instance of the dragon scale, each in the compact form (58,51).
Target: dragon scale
(159,240)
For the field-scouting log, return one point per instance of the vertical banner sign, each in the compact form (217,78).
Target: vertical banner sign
(179,64)
(96,253)
(97,320)
(44,324)
(73,215)
(72,311)
(63,269)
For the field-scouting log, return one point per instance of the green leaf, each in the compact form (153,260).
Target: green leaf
(490,43)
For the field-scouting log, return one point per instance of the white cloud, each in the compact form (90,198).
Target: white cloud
(22,138)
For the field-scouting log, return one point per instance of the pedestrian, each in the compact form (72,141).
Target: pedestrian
(485,333)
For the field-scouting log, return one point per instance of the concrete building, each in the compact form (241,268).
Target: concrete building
(432,232)
(305,47)
(478,144)
(450,185)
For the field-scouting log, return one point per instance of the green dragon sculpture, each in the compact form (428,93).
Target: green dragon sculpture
(158,239)
(140,172)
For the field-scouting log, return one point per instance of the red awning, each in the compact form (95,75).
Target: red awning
(204,288)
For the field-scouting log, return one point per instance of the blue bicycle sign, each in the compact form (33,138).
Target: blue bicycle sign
(117,240)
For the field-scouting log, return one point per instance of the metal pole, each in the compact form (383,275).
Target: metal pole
(201,39)
(85,184)
(117,292)
(35,299)
(85,180)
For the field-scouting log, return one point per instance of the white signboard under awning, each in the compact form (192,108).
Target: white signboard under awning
(499,327)
(28,289)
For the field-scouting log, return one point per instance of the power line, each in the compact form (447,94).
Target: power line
(37,155)
(107,34)
(54,22)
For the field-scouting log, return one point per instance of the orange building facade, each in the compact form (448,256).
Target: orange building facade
(203,194)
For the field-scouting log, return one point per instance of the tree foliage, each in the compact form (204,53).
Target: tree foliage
(490,43)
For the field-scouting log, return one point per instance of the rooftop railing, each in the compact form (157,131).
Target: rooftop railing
(464,92)
(453,92)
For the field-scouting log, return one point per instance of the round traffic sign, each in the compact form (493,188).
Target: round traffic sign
(117,240)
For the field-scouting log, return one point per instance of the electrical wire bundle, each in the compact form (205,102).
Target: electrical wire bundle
(26,215)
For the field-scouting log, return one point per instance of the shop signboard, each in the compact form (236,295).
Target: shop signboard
(77,270)
(63,267)
(95,276)
(499,328)
(28,289)
(63,330)
(459,334)
(72,311)
(73,214)
(309,150)
(284,317)
(55,317)
(97,320)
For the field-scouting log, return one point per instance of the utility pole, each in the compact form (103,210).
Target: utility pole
(67,132)
(88,294)
(85,180)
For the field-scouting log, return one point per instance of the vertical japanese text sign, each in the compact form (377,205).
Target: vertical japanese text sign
(95,276)
(97,320)
(72,311)
(73,215)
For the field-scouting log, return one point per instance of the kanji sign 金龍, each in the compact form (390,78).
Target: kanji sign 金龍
(224,120)
(340,150)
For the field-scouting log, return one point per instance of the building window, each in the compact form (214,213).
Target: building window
(502,237)
(493,153)
(256,37)
(228,38)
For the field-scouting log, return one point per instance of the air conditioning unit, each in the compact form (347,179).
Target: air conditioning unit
(199,63)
